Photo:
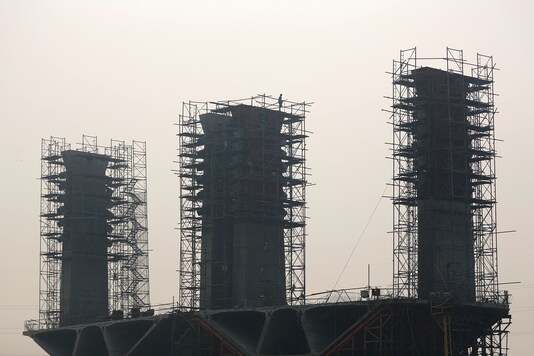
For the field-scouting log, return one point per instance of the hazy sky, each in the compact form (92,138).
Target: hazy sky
(120,69)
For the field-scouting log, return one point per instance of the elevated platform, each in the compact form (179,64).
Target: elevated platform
(376,327)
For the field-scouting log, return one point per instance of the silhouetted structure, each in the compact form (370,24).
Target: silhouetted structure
(94,248)
(242,213)
(243,179)
(444,197)
(242,185)
(442,162)
(84,272)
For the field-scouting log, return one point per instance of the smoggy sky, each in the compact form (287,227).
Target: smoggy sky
(120,69)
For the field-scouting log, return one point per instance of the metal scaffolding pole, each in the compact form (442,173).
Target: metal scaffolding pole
(52,170)
(404,178)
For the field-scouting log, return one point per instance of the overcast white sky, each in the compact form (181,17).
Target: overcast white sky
(120,69)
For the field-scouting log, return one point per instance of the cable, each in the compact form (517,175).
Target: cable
(359,239)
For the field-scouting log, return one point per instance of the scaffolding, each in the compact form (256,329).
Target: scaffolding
(52,170)
(482,130)
(394,327)
(479,110)
(128,254)
(291,154)
(128,286)
(471,100)
(404,178)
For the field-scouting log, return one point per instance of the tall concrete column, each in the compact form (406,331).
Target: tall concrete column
(242,216)
(442,161)
(84,274)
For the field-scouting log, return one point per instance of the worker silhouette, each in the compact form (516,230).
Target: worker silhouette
(280,101)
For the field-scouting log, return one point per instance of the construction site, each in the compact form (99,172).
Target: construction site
(242,233)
